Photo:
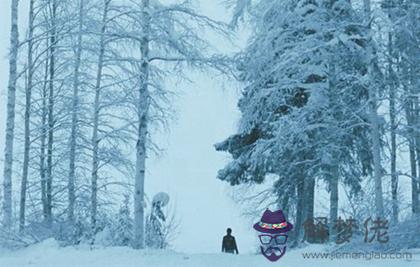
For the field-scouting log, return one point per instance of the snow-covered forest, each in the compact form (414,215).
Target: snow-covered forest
(328,93)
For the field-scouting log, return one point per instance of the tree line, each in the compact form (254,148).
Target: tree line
(86,90)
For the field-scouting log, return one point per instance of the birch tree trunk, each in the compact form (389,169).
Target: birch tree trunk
(143,112)
(413,168)
(416,132)
(392,116)
(10,123)
(43,137)
(51,121)
(28,96)
(409,114)
(74,118)
(376,155)
(334,167)
(96,110)
(374,121)
(412,151)
(414,82)
(416,184)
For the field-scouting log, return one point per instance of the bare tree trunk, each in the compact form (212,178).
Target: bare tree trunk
(284,205)
(310,198)
(412,154)
(414,186)
(96,110)
(51,121)
(143,112)
(43,137)
(374,121)
(409,112)
(333,169)
(10,123)
(392,115)
(300,210)
(416,132)
(74,118)
(377,158)
(28,96)
(333,200)
(414,82)
(283,197)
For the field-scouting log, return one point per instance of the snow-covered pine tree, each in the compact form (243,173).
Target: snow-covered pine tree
(374,83)
(155,223)
(405,30)
(303,107)
(122,231)
(161,224)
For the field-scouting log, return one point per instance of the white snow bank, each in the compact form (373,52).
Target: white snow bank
(49,254)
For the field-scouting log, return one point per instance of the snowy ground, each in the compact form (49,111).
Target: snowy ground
(48,254)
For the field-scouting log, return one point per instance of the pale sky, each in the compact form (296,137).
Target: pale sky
(187,169)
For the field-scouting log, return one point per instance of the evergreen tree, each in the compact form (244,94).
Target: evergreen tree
(123,230)
(155,227)
(403,70)
(304,107)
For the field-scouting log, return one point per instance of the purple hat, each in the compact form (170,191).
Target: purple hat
(273,223)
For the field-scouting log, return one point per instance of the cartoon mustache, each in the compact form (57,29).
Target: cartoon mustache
(273,253)
(273,250)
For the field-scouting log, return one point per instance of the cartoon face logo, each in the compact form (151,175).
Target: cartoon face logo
(273,247)
(272,228)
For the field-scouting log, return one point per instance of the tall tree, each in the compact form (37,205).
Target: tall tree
(167,34)
(393,86)
(143,117)
(43,137)
(374,117)
(74,115)
(50,108)
(303,110)
(96,111)
(406,32)
(28,100)
(10,123)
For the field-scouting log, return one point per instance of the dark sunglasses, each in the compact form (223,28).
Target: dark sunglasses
(267,239)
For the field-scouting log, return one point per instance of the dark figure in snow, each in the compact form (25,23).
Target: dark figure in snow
(229,243)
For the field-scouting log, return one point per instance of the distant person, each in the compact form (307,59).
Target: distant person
(229,243)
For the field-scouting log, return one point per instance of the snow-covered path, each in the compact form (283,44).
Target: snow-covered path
(48,254)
